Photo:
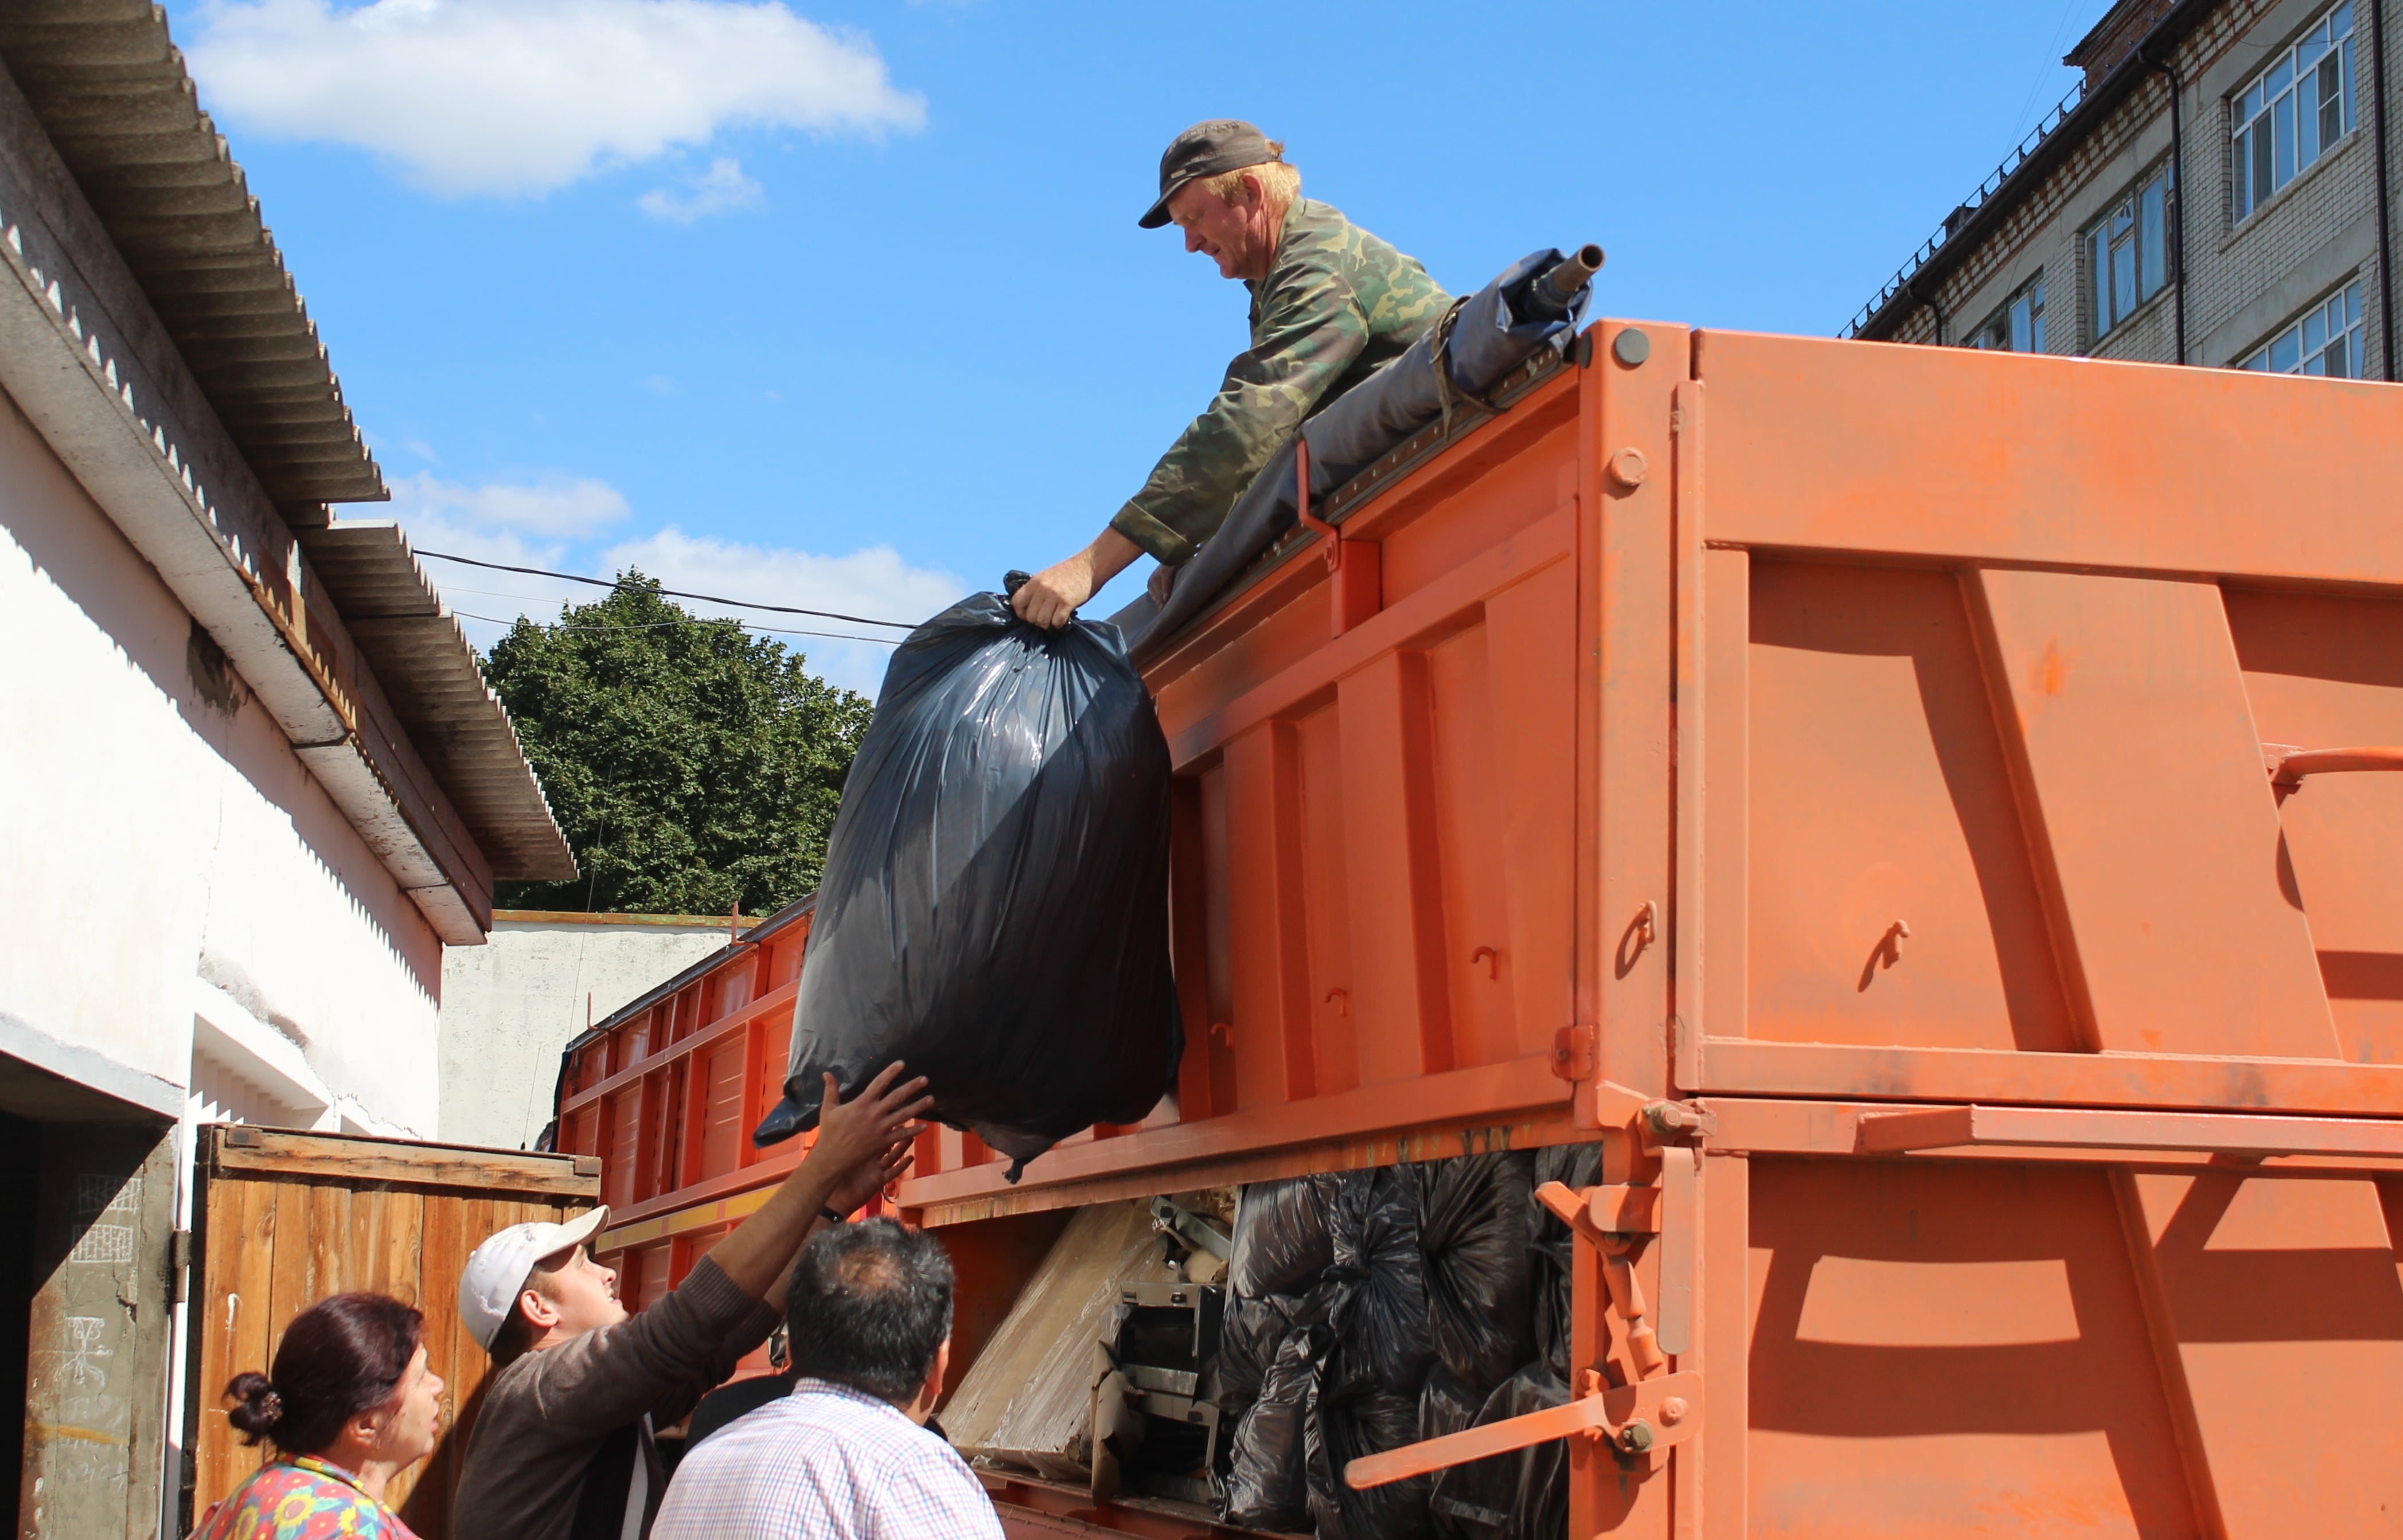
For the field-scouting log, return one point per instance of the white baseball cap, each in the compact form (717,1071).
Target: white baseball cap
(497,1270)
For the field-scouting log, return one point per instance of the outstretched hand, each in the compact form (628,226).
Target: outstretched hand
(854,1189)
(869,1125)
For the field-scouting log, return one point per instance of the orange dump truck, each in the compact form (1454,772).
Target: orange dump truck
(1915,809)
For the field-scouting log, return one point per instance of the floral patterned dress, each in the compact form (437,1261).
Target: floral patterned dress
(301,1498)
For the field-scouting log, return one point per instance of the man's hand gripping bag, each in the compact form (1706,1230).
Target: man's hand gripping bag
(994,908)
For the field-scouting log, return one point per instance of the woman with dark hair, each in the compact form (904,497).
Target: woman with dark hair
(349,1404)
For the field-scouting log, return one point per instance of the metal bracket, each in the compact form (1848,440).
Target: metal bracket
(1195,1232)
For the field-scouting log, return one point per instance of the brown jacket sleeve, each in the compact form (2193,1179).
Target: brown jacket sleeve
(662,1361)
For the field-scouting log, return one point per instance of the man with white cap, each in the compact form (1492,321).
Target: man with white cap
(561,1448)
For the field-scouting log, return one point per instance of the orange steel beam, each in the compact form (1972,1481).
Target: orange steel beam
(1647,1415)
(2079,1127)
(709,1036)
(2201,1082)
(1762,1126)
(1481,1095)
(1138,1179)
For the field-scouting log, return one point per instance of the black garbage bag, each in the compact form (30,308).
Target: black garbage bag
(1251,1331)
(1281,1240)
(1522,1495)
(1554,1246)
(994,908)
(1480,1271)
(1383,1341)
(1267,1485)
(1343,1430)
(1445,1405)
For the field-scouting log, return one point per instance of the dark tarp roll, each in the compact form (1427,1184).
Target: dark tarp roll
(1445,1405)
(1267,1485)
(1522,1495)
(994,908)
(1343,1430)
(1486,340)
(1382,1337)
(1555,1248)
(1281,1240)
(1480,1271)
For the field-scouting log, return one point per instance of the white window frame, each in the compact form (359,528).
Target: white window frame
(2017,324)
(2302,345)
(2283,122)
(2129,253)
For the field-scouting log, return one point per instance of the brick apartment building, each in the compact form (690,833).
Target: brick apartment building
(2215,191)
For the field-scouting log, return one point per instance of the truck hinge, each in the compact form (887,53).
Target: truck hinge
(1574,1049)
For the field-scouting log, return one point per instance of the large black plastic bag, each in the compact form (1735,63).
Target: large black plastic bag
(1555,1248)
(1522,1495)
(994,908)
(1479,1270)
(1250,1333)
(1446,1406)
(1267,1485)
(1343,1430)
(1281,1240)
(1380,1316)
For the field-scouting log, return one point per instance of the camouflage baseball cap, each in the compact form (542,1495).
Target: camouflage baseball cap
(1206,149)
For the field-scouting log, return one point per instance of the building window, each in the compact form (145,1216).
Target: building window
(2327,340)
(2297,108)
(2018,326)
(2128,251)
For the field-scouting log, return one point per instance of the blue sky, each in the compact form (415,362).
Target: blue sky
(841,303)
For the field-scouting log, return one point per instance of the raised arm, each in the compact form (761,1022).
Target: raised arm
(875,1126)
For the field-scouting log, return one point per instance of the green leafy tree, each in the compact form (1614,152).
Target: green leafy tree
(693,765)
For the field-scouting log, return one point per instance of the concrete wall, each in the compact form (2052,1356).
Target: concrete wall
(2244,281)
(170,858)
(510,1007)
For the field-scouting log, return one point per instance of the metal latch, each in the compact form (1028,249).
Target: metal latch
(1652,1408)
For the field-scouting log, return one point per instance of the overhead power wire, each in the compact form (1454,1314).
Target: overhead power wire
(690,620)
(676,593)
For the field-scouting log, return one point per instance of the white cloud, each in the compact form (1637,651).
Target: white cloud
(521,96)
(553,506)
(721,189)
(875,583)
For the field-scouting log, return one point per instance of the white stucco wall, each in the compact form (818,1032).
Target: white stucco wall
(169,859)
(509,1007)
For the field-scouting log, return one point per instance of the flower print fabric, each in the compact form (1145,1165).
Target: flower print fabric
(301,1498)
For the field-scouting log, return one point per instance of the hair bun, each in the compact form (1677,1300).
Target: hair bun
(260,1406)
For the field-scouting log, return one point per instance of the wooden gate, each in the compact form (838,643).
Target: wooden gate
(281,1220)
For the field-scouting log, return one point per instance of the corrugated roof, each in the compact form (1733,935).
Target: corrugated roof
(113,96)
(112,92)
(430,675)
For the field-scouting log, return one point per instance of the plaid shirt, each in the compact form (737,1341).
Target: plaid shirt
(826,1462)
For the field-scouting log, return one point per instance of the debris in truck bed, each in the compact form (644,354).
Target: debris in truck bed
(1028,1400)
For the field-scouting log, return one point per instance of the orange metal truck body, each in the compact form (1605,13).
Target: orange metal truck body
(1839,777)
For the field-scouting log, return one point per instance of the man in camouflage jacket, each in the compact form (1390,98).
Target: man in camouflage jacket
(1331,304)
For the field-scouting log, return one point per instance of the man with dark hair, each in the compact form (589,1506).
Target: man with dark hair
(847,1456)
(564,1448)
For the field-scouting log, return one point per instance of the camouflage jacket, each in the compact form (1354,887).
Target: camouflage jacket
(1338,304)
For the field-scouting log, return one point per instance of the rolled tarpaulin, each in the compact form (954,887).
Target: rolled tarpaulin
(1493,331)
